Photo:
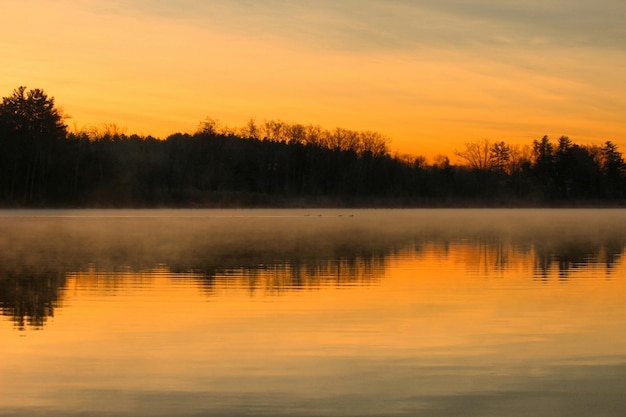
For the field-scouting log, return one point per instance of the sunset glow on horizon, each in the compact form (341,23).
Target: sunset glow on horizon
(430,75)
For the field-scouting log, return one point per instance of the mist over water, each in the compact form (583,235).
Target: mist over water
(145,238)
(313,312)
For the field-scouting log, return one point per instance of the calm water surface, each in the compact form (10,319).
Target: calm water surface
(313,313)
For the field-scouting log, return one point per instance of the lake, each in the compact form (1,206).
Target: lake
(310,312)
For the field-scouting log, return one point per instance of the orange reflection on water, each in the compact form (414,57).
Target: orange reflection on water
(467,296)
(475,309)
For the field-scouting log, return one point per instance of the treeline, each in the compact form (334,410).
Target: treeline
(280,164)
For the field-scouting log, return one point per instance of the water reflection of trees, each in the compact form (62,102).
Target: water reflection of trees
(38,259)
(577,254)
(487,257)
(295,276)
(272,255)
(29,297)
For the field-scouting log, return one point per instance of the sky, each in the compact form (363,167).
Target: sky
(431,75)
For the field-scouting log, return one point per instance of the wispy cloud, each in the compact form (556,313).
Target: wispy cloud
(403,24)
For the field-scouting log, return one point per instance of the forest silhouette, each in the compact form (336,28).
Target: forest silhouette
(279,164)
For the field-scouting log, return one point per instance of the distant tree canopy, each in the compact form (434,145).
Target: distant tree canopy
(367,142)
(275,163)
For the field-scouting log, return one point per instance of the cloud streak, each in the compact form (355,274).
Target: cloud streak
(406,24)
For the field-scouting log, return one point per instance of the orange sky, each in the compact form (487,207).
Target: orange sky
(428,74)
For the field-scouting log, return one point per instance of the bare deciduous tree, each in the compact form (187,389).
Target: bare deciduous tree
(476,154)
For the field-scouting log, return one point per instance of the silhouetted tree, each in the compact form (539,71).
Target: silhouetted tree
(30,129)
(476,154)
(499,156)
(614,170)
(612,164)
(543,153)
(543,166)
